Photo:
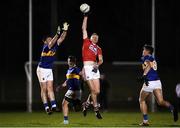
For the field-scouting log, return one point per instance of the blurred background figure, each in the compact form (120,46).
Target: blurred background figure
(104,90)
(178,94)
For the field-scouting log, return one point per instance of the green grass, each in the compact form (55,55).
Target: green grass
(110,119)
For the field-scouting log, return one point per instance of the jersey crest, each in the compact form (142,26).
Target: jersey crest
(93,49)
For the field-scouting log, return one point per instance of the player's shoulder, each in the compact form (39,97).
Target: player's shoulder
(148,58)
(45,47)
(77,69)
(86,39)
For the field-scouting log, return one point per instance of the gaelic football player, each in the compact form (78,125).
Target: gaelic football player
(152,84)
(44,69)
(90,52)
(73,95)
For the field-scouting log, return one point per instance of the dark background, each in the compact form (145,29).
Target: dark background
(124,27)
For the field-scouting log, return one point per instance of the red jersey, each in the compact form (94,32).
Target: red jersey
(90,51)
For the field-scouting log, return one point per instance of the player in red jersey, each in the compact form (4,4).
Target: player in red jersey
(90,52)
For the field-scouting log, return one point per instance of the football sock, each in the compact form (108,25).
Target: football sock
(65,117)
(145,118)
(171,108)
(46,106)
(53,103)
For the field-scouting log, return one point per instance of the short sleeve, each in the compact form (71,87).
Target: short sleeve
(86,41)
(45,47)
(78,70)
(148,58)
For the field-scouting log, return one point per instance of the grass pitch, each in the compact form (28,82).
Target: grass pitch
(110,119)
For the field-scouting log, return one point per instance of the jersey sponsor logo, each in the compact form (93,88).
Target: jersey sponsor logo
(72,76)
(50,53)
(93,49)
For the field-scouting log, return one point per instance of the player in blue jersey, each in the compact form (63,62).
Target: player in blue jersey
(44,69)
(73,95)
(152,84)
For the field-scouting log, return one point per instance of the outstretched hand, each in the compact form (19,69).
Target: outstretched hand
(65,26)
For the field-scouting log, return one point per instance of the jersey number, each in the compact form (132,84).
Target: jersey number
(154,65)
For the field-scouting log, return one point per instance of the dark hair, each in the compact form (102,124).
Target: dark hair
(149,48)
(45,37)
(72,59)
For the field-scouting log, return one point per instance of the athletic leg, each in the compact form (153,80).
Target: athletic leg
(143,106)
(86,105)
(95,89)
(94,86)
(160,100)
(65,111)
(44,96)
(51,95)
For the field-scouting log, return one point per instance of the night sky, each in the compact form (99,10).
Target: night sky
(123,28)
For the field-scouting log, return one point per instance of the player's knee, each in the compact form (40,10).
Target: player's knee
(97,92)
(141,100)
(63,104)
(50,88)
(43,90)
(93,91)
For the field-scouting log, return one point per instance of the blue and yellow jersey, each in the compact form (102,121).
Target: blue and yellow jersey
(47,56)
(73,78)
(152,74)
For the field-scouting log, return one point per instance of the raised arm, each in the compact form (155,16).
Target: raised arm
(63,35)
(55,38)
(84,27)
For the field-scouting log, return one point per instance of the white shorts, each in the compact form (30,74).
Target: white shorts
(152,86)
(44,74)
(73,94)
(89,74)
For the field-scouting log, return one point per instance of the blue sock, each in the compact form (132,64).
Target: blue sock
(46,106)
(145,117)
(65,117)
(171,108)
(53,103)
